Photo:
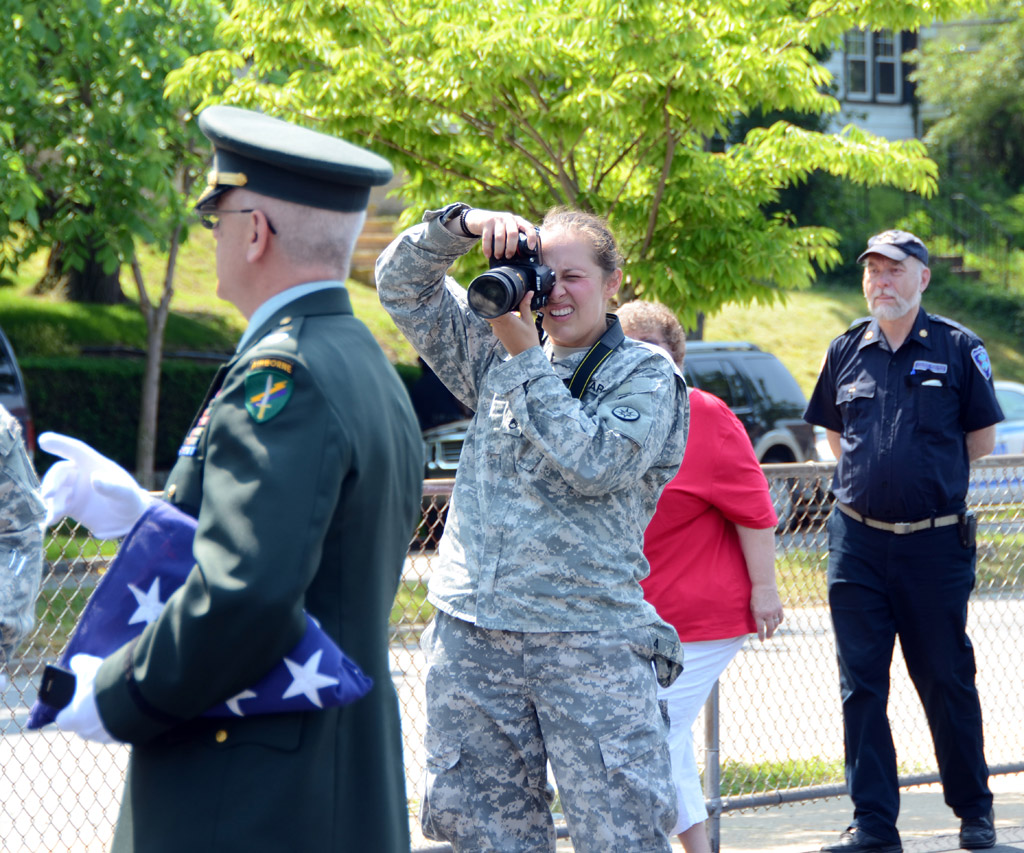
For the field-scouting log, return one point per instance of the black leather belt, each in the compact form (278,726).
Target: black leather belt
(899,527)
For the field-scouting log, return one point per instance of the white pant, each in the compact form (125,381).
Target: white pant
(703,663)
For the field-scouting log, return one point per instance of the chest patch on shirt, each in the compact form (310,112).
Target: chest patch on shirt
(509,424)
(268,387)
(980,358)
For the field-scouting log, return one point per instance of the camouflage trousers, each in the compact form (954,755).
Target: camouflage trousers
(501,704)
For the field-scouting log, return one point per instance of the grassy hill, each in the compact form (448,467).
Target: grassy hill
(797,329)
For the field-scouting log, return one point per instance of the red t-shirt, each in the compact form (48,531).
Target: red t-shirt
(698,580)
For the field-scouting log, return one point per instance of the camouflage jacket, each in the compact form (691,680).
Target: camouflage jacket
(21,537)
(552,494)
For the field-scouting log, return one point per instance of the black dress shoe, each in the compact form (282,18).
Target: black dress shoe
(978,833)
(856,840)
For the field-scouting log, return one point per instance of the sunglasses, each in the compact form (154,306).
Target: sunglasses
(211,219)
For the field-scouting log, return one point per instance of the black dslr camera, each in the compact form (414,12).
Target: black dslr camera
(503,286)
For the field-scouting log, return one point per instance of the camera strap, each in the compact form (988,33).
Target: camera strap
(595,357)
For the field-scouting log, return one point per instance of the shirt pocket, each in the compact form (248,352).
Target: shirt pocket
(934,402)
(856,401)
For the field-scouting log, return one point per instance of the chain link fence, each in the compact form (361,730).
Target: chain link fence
(778,721)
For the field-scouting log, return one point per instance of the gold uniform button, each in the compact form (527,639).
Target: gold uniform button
(221,736)
(869,336)
(923,333)
(285,321)
(172,489)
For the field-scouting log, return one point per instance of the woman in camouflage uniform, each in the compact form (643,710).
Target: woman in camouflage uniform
(542,646)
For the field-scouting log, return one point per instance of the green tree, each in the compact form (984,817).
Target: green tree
(95,159)
(93,154)
(603,104)
(973,77)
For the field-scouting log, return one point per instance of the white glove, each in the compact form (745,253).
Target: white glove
(82,715)
(90,488)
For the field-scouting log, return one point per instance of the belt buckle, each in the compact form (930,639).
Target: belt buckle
(901,527)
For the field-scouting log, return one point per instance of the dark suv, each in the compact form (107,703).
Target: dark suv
(760,391)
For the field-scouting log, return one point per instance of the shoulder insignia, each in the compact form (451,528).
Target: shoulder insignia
(938,318)
(979,355)
(626,413)
(272,338)
(268,387)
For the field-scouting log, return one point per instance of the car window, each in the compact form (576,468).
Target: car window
(708,375)
(739,391)
(8,375)
(774,381)
(1011,402)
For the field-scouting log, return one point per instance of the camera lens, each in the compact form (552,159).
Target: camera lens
(496,292)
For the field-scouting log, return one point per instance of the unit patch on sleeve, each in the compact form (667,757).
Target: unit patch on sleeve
(981,361)
(268,387)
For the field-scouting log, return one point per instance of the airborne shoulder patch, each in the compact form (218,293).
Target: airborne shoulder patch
(268,387)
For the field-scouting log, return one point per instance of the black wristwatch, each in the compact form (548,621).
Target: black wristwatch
(458,210)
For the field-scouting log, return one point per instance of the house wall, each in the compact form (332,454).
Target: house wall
(892,121)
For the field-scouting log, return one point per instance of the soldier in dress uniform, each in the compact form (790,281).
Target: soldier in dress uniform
(304,470)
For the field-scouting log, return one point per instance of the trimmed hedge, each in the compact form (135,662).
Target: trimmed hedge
(97,399)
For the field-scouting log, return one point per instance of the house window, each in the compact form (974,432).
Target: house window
(874,70)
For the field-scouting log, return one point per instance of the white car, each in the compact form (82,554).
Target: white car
(1010,432)
(821,445)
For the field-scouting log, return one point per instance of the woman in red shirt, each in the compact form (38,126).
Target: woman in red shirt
(711,546)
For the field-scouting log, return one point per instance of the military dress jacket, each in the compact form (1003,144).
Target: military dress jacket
(304,471)
(552,494)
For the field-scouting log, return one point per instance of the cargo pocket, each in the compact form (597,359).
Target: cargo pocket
(636,759)
(444,800)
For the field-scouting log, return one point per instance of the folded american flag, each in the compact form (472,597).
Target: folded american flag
(153,561)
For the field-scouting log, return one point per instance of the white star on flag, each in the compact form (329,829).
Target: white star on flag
(232,703)
(149,603)
(306,680)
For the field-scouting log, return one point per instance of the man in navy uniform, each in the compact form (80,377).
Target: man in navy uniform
(907,401)
(304,470)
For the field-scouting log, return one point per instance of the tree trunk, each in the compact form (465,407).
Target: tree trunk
(697,332)
(156,323)
(145,448)
(90,284)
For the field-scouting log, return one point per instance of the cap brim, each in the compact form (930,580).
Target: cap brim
(887,250)
(210,196)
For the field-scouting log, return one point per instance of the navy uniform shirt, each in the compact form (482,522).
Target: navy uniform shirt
(903,416)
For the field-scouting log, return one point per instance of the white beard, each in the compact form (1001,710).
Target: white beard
(894,310)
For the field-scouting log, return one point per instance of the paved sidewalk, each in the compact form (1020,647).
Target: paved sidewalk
(926,824)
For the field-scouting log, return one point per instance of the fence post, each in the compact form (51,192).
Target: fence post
(712,770)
